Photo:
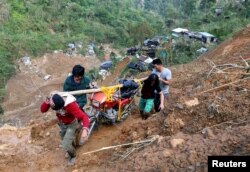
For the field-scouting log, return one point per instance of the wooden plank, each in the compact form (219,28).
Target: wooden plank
(88,91)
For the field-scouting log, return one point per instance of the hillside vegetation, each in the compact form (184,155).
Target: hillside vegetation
(33,27)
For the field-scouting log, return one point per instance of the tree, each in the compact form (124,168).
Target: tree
(140,32)
(188,7)
(4,11)
(206,4)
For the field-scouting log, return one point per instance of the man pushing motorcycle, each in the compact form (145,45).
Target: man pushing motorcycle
(71,119)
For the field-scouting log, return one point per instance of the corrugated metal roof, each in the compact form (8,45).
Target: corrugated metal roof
(179,30)
(206,34)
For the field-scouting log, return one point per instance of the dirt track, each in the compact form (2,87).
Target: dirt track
(218,124)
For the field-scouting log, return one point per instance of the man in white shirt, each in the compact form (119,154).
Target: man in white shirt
(165,77)
(164,74)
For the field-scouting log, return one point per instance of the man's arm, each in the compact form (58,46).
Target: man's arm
(44,107)
(167,78)
(167,82)
(74,109)
(162,100)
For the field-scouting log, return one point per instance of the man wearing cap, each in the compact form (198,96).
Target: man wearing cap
(77,81)
(68,113)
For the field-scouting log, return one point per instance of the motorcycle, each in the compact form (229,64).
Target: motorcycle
(114,108)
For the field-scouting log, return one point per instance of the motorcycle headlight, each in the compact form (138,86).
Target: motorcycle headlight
(95,103)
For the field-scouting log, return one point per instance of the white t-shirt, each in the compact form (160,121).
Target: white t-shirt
(165,75)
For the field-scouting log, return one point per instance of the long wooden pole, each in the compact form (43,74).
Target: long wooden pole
(126,144)
(96,89)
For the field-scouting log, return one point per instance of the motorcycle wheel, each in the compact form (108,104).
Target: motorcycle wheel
(126,112)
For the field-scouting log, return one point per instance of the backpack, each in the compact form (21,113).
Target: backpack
(129,88)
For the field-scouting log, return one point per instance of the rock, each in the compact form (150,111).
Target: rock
(203,131)
(175,142)
(167,153)
(158,138)
(179,120)
(19,135)
(192,157)
(191,168)
(145,155)
(3,146)
(179,106)
(40,134)
(26,60)
(213,109)
(47,134)
(47,77)
(13,154)
(193,102)
(32,122)
(208,133)
(134,135)
(8,127)
(149,131)
(166,123)
(75,171)
(29,141)
(198,164)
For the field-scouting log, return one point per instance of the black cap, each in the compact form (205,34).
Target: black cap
(58,101)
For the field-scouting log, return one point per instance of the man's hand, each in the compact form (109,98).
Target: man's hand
(47,100)
(84,136)
(93,84)
(161,106)
(84,133)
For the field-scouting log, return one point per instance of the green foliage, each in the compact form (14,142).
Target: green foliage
(1,112)
(99,51)
(93,74)
(184,51)
(140,32)
(199,16)
(34,27)
(37,26)
(6,69)
(114,61)
(188,7)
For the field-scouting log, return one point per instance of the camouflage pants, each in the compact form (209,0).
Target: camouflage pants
(68,133)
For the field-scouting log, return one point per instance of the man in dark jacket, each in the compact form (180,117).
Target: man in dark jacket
(77,81)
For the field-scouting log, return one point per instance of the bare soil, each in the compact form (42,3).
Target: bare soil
(203,117)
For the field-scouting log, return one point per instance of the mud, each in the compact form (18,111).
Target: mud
(199,120)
